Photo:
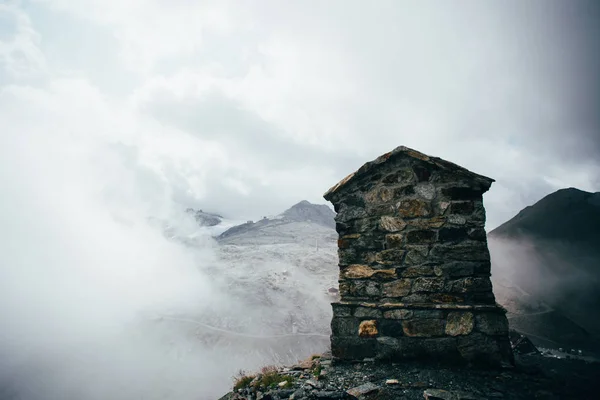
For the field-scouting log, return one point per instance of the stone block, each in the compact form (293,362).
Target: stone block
(421,236)
(358,271)
(404,176)
(397,288)
(459,323)
(453,234)
(391,224)
(367,312)
(428,284)
(462,193)
(462,207)
(413,208)
(492,323)
(416,255)
(423,327)
(398,314)
(391,327)
(342,310)
(368,329)
(427,223)
(394,240)
(380,194)
(413,272)
(389,257)
(353,348)
(446,298)
(425,190)
(464,251)
(345,326)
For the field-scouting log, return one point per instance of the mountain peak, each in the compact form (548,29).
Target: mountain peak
(305,211)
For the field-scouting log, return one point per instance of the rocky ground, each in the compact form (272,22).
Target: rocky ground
(533,377)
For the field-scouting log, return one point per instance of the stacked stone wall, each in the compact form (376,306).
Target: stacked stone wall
(415,267)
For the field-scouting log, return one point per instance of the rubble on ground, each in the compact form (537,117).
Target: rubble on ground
(533,377)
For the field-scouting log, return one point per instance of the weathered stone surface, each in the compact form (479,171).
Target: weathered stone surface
(456,220)
(344,326)
(465,251)
(462,193)
(428,284)
(397,288)
(352,348)
(416,298)
(398,314)
(391,224)
(413,208)
(423,174)
(342,310)
(486,350)
(453,234)
(423,327)
(367,312)
(416,255)
(404,175)
(469,284)
(446,298)
(455,269)
(363,390)
(359,288)
(357,271)
(394,240)
(462,207)
(391,327)
(428,313)
(421,270)
(492,323)
(389,257)
(368,328)
(380,194)
(427,223)
(414,263)
(425,190)
(420,236)
(458,323)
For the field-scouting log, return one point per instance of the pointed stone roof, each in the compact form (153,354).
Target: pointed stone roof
(403,151)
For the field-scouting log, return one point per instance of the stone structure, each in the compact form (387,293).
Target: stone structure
(414,264)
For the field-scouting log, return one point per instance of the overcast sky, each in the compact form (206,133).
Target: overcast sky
(247,107)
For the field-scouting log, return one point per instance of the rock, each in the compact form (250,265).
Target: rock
(398,314)
(492,323)
(367,312)
(391,224)
(421,236)
(412,208)
(428,284)
(425,190)
(368,328)
(439,394)
(362,390)
(357,271)
(331,395)
(421,270)
(394,240)
(458,323)
(398,288)
(391,381)
(423,327)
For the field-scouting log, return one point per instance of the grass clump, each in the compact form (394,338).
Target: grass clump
(269,377)
(242,380)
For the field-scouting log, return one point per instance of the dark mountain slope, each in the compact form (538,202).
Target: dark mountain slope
(546,266)
(568,215)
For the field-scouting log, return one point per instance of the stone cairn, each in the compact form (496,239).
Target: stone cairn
(414,264)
